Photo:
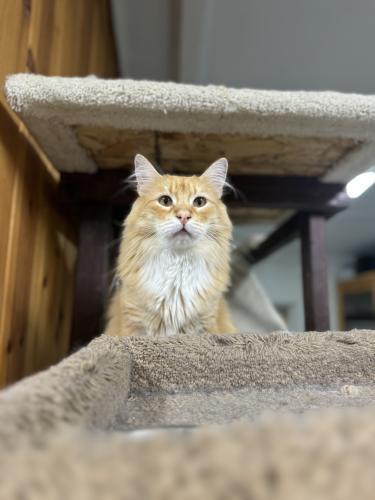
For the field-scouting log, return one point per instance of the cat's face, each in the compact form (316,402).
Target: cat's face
(180,212)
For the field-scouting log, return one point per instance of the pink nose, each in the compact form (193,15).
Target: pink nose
(183,216)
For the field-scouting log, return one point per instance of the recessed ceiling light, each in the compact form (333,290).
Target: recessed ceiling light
(359,184)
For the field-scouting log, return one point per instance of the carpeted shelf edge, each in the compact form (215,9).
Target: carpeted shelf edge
(90,387)
(51,106)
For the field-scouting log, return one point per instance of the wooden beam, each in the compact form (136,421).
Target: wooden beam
(102,187)
(92,272)
(281,236)
(311,229)
(256,191)
(315,273)
(292,192)
(291,228)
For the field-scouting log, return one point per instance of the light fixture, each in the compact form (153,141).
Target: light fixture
(359,184)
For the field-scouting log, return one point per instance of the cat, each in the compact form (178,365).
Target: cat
(174,261)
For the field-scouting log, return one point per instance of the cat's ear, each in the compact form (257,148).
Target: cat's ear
(145,173)
(216,175)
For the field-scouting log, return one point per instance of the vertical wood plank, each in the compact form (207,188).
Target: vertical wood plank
(72,38)
(11,153)
(22,245)
(28,253)
(52,278)
(38,243)
(93,272)
(14,27)
(315,272)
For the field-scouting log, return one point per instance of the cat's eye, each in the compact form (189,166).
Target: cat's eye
(165,200)
(199,201)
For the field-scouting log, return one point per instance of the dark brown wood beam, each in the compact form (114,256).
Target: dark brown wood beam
(102,187)
(315,273)
(282,192)
(92,272)
(291,228)
(280,237)
(311,229)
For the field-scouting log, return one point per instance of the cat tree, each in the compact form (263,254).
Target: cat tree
(68,430)
(290,154)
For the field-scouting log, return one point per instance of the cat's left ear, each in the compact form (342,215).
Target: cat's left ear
(145,173)
(216,175)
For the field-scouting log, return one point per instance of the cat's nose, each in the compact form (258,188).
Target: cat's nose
(183,216)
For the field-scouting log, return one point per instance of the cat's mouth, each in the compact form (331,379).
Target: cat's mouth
(182,232)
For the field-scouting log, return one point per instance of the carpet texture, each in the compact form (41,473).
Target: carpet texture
(329,456)
(296,411)
(53,106)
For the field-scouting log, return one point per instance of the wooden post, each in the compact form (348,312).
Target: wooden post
(92,273)
(314,271)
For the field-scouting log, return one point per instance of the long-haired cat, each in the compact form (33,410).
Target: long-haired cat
(173,265)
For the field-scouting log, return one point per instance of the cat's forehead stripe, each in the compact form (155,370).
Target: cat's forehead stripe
(185,186)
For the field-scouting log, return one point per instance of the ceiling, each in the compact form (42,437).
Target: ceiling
(267,44)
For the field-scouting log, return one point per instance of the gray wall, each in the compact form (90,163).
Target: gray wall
(280,44)
(283,44)
(142,35)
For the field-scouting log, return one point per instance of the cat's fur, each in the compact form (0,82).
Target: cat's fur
(170,281)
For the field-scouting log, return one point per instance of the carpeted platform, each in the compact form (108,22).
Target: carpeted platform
(88,123)
(296,408)
(141,382)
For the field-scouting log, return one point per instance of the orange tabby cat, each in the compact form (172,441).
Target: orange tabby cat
(173,265)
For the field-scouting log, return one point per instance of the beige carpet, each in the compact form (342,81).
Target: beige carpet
(53,108)
(296,413)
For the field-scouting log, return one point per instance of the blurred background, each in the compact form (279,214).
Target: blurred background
(269,44)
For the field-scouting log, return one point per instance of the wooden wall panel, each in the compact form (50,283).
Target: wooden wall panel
(72,38)
(12,153)
(51,280)
(38,240)
(37,255)
(14,31)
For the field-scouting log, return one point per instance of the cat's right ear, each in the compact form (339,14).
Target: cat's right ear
(216,175)
(145,173)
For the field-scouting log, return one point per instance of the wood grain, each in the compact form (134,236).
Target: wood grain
(315,273)
(11,154)
(111,148)
(38,240)
(247,215)
(191,153)
(93,272)
(362,283)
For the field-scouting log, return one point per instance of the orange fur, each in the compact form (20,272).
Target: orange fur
(172,282)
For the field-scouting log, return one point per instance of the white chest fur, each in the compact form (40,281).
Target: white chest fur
(177,282)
